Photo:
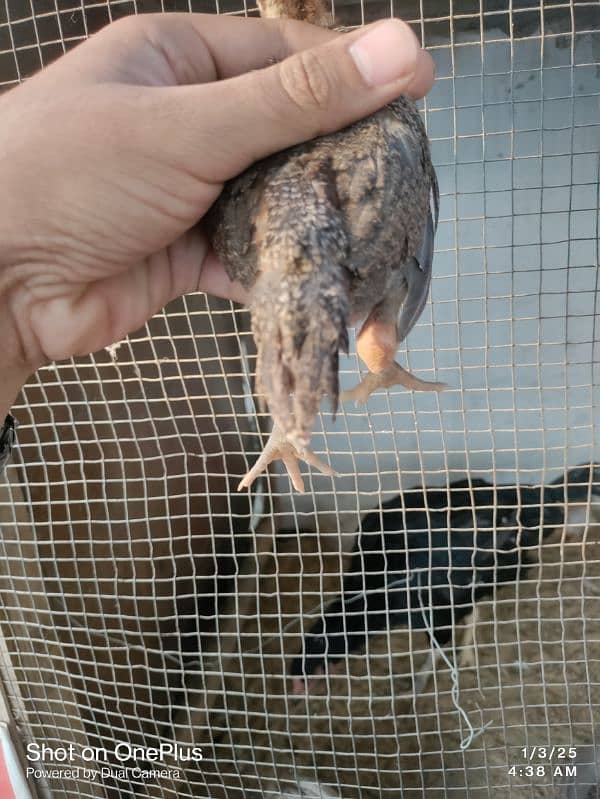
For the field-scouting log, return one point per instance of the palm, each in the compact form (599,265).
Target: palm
(138,248)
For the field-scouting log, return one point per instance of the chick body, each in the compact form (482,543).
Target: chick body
(323,234)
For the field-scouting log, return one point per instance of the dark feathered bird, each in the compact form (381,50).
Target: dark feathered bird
(323,234)
(427,556)
(7,440)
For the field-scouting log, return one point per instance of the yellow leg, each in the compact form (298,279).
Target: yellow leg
(280,447)
(393,375)
(376,345)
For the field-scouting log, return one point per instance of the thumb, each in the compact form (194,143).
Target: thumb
(310,93)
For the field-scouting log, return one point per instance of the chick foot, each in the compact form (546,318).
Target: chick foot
(393,375)
(280,447)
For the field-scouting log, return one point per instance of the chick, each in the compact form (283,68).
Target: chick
(457,545)
(324,234)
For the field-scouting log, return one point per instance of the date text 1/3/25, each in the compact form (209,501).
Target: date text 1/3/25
(548,752)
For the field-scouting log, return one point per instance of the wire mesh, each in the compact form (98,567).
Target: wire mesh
(141,602)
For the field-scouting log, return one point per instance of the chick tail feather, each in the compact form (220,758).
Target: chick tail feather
(299,319)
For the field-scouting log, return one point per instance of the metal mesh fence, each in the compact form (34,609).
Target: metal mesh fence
(144,601)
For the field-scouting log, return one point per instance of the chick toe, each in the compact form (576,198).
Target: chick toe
(279,447)
(393,375)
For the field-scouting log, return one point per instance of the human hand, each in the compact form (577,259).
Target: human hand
(110,156)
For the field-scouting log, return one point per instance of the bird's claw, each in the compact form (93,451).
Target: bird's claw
(361,392)
(280,447)
(393,375)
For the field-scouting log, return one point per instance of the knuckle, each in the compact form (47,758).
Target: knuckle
(306,81)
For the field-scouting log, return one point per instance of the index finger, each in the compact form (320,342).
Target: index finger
(179,48)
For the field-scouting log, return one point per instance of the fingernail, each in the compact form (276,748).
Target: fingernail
(385,53)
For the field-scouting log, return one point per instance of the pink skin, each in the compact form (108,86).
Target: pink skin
(377,344)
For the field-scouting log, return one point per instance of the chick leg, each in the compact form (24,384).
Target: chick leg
(280,447)
(377,344)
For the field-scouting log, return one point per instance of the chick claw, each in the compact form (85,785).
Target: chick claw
(280,447)
(393,375)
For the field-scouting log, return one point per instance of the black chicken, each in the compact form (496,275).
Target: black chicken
(426,557)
